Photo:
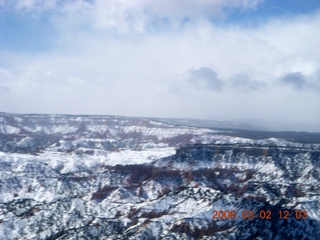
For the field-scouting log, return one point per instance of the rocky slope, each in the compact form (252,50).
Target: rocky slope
(108,177)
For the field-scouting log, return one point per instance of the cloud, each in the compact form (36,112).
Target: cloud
(297,81)
(136,16)
(4,89)
(243,82)
(206,78)
(33,5)
(162,8)
(153,58)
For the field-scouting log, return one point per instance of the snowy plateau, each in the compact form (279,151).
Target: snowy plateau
(111,177)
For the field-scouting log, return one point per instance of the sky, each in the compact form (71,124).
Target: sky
(254,61)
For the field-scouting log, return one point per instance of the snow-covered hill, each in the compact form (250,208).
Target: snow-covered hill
(108,177)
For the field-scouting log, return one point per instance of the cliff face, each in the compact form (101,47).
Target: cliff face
(96,177)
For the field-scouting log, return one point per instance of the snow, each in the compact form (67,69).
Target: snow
(36,128)
(138,157)
(62,129)
(97,128)
(26,142)
(163,133)
(63,179)
(7,129)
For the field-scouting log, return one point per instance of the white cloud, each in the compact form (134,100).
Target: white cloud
(94,69)
(33,5)
(137,15)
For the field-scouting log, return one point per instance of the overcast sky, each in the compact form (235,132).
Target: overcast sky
(229,60)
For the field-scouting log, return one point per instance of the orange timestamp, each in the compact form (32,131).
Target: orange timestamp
(262,214)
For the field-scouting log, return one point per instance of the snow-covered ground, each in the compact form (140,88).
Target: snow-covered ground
(107,177)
